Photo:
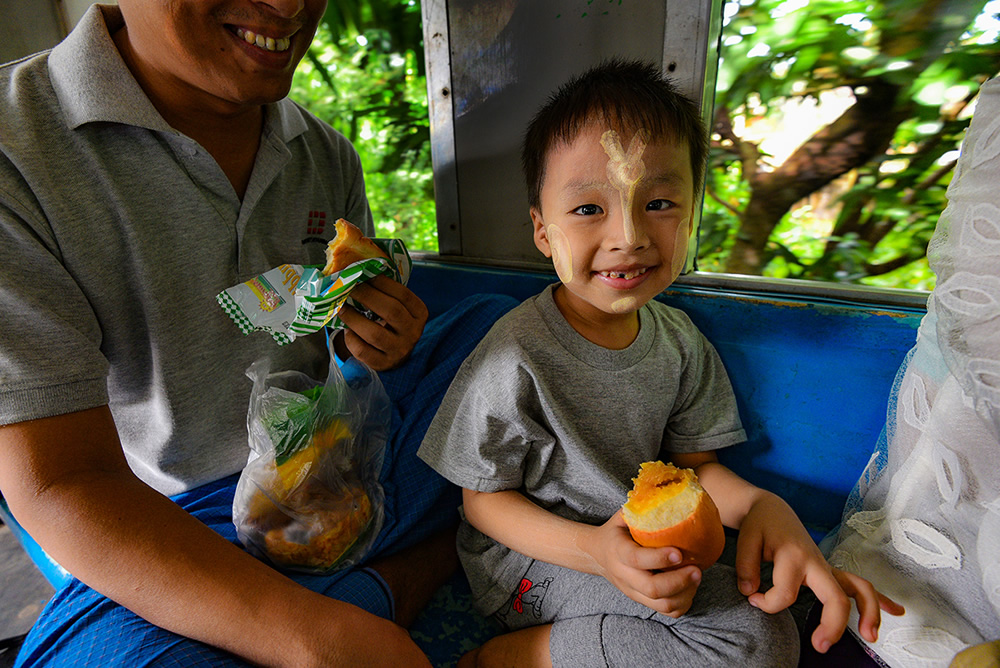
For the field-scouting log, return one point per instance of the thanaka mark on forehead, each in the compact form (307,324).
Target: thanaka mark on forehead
(625,170)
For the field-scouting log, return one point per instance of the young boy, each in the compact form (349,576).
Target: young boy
(549,418)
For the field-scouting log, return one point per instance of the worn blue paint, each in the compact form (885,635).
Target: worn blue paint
(53,572)
(812,379)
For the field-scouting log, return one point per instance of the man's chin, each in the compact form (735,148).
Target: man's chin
(260,95)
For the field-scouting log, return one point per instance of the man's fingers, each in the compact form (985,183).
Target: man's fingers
(401,315)
(371,332)
(390,300)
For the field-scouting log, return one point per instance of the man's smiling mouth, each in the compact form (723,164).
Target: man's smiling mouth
(266,43)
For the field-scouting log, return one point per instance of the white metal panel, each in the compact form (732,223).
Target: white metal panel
(492,63)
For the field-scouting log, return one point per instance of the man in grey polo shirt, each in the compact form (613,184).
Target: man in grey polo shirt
(146,163)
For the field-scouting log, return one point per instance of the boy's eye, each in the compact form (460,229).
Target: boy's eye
(587,210)
(659,205)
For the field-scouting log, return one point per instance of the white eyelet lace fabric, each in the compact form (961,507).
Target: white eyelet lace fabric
(923,523)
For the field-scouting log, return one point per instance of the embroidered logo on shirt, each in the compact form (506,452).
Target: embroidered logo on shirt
(315,225)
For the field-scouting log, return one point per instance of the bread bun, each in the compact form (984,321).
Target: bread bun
(667,507)
(348,247)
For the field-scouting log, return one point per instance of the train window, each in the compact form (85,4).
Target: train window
(835,123)
(835,132)
(364,75)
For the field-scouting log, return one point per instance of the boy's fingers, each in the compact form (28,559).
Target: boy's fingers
(775,599)
(886,604)
(657,558)
(869,601)
(748,552)
(829,591)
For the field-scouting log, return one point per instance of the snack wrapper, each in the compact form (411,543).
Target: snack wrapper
(293,300)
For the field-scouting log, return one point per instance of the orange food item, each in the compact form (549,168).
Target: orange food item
(322,535)
(348,247)
(668,507)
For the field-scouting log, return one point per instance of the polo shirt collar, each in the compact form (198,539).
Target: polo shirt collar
(93,83)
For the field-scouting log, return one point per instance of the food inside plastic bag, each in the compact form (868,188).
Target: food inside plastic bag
(309,497)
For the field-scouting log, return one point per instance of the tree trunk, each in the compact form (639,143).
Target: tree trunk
(859,134)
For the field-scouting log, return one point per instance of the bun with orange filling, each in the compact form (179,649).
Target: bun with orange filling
(348,247)
(667,507)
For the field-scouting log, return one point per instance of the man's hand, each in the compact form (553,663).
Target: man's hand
(647,575)
(383,343)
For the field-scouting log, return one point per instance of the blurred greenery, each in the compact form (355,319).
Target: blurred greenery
(364,75)
(857,197)
(856,200)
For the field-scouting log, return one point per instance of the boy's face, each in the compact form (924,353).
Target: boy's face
(615,218)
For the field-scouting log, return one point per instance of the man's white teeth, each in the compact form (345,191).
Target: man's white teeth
(269,43)
(624,274)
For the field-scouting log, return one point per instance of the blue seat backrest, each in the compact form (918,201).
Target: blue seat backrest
(812,378)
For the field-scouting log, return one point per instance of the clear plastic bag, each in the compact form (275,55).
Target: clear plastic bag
(309,498)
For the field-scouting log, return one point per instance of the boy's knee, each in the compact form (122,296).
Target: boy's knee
(774,639)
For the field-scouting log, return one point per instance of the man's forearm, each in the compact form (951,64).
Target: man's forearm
(67,482)
(144,552)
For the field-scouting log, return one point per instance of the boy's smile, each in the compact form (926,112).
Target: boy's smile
(615,218)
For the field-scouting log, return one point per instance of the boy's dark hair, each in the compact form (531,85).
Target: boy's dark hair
(625,94)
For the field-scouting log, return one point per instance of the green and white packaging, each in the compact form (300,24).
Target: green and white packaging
(293,300)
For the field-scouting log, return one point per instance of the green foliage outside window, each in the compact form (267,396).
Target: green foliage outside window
(857,198)
(876,94)
(364,75)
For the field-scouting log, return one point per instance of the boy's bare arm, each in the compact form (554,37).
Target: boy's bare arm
(646,575)
(67,481)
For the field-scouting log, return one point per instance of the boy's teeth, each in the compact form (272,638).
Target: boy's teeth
(623,274)
(268,43)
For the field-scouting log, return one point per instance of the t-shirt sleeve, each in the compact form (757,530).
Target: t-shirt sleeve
(50,357)
(479,439)
(705,414)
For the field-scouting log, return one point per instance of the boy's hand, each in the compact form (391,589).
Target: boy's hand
(772,532)
(384,343)
(647,575)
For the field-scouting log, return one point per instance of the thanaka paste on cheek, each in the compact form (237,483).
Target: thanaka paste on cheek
(680,249)
(562,256)
(625,170)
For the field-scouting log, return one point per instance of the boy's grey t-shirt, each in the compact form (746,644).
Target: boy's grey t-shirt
(539,409)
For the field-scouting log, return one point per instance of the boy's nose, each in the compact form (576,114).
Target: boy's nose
(629,230)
